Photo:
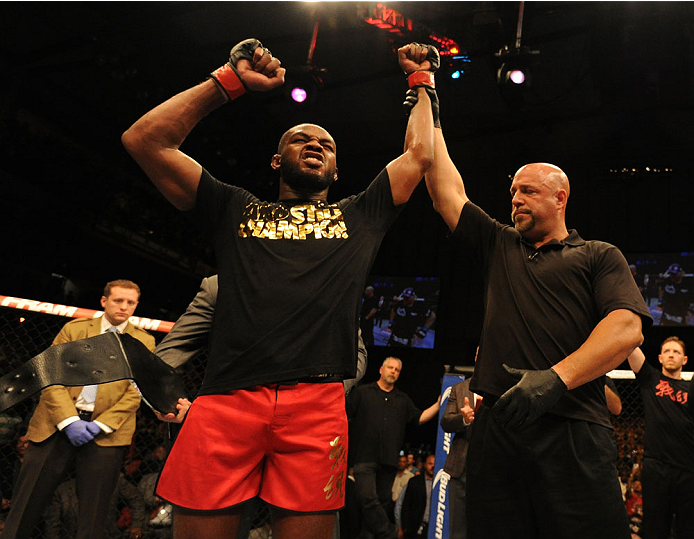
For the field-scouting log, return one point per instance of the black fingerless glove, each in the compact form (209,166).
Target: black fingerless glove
(424,79)
(227,77)
(534,394)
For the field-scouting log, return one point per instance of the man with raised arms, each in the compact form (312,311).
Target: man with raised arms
(284,335)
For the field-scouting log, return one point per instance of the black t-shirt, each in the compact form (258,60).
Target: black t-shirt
(542,304)
(406,319)
(367,305)
(377,423)
(677,301)
(669,422)
(291,276)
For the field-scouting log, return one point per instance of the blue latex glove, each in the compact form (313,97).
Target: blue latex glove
(80,432)
(93,428)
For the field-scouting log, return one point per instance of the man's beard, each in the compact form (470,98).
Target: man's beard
(527,225)
(303,181)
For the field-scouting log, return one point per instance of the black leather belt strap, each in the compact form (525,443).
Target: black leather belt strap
(96,360)
(84,415)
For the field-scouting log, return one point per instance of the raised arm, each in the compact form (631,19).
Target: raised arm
(154,140)
(444,183)
(407,171)
(636,360)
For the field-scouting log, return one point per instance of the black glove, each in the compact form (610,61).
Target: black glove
(534,394)
(227,77)
(432,56)
(411,100)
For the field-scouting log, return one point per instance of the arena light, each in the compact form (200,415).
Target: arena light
(515,66)
(392,21)
(514,75)
(517,76)
(298,94)
(303,84)
(455,67)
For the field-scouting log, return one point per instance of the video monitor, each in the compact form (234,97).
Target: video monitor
(666,281)
(400,311)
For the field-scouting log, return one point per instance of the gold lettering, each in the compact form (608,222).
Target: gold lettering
(257,227)
(338,453)
(298,214)
(311,213)
(275,222)
(332,489)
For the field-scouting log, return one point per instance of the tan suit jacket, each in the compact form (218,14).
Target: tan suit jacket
(116,402)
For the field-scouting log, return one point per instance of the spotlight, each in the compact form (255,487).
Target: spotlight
(514,74)
(515,66)
(303,84)
(299,94)
(517,76)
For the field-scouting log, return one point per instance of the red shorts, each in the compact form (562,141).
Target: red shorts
(286,443)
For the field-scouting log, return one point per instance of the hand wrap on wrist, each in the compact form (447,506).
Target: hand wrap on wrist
(227,77)
(425,79)
(411,100)
(421,78)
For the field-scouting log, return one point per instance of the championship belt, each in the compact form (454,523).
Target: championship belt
(96,360)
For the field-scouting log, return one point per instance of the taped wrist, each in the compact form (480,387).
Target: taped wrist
(411,100)
(227,78)
(421,78)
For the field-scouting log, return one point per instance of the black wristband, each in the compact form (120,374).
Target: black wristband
(411,100)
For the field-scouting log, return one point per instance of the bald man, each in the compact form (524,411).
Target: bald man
(560,312)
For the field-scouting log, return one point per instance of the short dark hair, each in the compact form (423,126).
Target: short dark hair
(122,283)
(674,338)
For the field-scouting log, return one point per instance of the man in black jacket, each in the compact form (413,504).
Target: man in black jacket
(416,503)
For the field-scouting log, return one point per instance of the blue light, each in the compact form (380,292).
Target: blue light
(456,74)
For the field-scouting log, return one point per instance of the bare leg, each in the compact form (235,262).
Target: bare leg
(286,525)
(206,525)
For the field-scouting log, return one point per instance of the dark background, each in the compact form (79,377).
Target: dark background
(610,102)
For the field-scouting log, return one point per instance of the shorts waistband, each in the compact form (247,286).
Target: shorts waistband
(313,379)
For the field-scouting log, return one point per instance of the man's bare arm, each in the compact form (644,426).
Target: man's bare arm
(636,360)
(430,412)
(407,171)
(613,339)
(154,140)
(614,403)
(444,183)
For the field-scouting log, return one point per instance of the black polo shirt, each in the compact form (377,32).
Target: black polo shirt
(542,304)
(377,423)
